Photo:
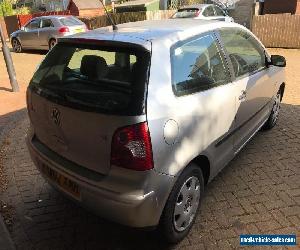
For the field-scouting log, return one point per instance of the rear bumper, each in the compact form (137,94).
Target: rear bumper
(127,197)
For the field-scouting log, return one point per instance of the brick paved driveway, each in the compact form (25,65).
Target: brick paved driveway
(258,192)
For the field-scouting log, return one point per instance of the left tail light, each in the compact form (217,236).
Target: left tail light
(131,148)
(64,30)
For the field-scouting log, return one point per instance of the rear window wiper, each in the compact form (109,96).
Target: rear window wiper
(49,92)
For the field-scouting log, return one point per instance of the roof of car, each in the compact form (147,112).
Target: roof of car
(53,16)
(195,6)
(153,30)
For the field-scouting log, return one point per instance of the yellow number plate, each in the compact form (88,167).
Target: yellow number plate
(79,30)
(65,183)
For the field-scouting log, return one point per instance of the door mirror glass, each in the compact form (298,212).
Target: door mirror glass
(278,61)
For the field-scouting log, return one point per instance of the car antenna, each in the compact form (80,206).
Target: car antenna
(109,17)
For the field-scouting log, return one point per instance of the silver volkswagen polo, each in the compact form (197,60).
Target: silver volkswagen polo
(133,123)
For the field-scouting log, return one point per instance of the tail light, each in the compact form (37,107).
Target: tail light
(197,13)
(64,30)
(131,148)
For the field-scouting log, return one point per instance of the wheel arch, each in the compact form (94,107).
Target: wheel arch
(203,163)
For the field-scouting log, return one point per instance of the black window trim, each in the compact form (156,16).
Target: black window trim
(234,78)
(204,88)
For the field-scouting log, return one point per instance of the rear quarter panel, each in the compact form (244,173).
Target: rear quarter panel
(201,118)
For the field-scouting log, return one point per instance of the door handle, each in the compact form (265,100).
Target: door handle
(243,95)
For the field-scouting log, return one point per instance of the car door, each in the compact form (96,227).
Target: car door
(205,103)
(254,86)
(47,28)
(29,36)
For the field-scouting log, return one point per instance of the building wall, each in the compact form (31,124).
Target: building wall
(281,6)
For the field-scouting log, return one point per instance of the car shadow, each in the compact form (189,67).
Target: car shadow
(35,52)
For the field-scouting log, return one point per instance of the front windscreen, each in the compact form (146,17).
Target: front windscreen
(186,13)
(106,79)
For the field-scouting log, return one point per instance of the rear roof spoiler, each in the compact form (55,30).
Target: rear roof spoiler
(102,43)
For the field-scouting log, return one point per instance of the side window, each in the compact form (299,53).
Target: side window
(219,12)
(197,65)
(209,11)
(46,23)
(246,54)
(34,24)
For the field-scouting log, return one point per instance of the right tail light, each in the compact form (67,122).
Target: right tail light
(131,147)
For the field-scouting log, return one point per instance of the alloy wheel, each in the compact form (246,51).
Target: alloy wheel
(52,44)
(187,203)
(16,46)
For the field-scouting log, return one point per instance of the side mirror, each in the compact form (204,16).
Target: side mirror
(278,61)
(23,28)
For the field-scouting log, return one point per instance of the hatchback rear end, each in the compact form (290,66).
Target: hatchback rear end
(64,26)
(69,25)
(89,135)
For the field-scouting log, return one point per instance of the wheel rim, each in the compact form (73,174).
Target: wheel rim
(52,44)
(276,108)
(16,46)
(187,203)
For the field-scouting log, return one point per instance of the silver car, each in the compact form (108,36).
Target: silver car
(204,12)
(42,32)
(133,123)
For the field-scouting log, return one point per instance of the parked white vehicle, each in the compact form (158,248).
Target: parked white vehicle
(203,11)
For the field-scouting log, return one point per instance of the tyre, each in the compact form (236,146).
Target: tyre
(182,205)
(52,43)
(271,122)
(16,45)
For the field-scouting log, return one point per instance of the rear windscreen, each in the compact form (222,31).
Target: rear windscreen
(70,21)
(92,78)
(186,13)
